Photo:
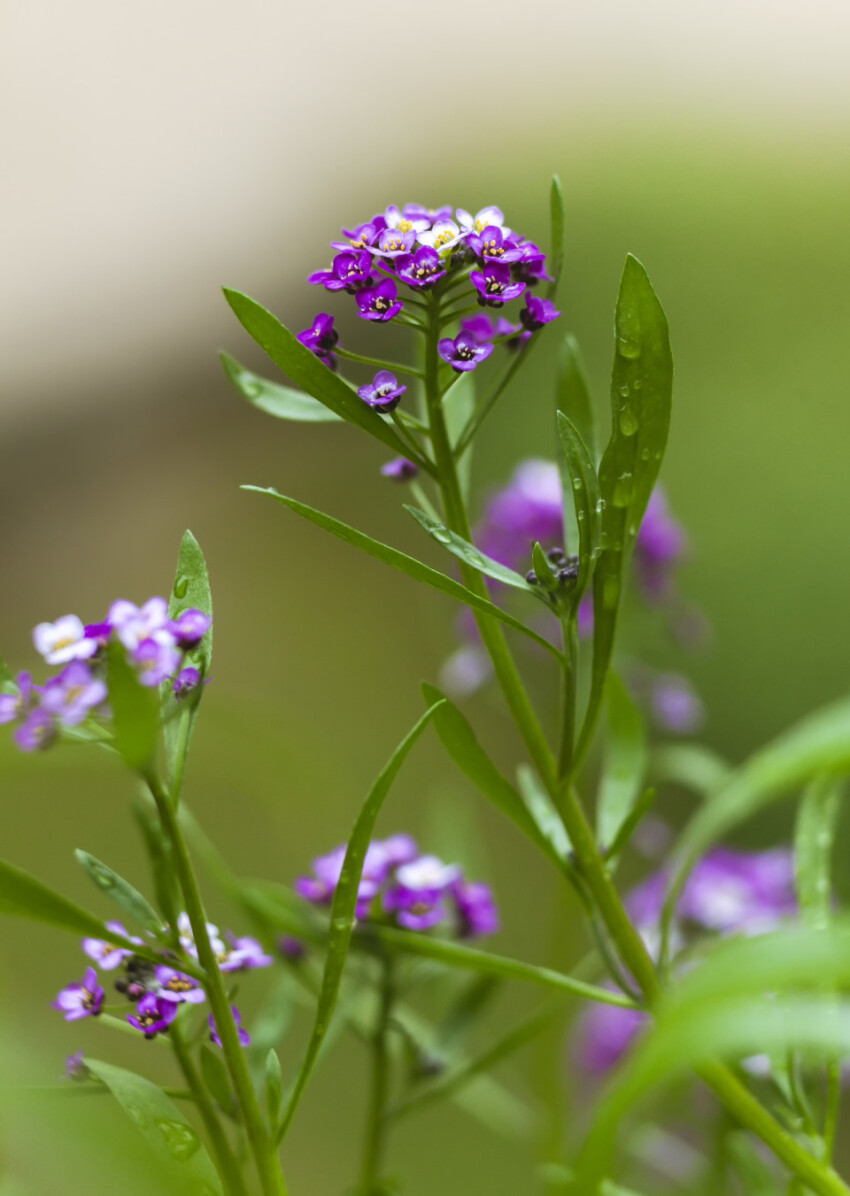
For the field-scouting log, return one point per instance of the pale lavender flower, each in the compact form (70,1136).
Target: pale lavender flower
(443,236)
(491,217)
(244,955)
(153,1015)
(418,894)
(156,658)
(675,704)
(185,681)
(605,1032)
(190,627)
(81,1000)
(383,393)
(108,956)
(187,937)
(244,1036)
(659,546)
(177,987)
(133,624)
(465,671)
(63,641)
(73,695)
(399,470)
(75,1067)
(16,705)
(36,731)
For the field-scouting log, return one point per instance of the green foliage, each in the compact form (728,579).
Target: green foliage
(458,408)
(7,680)
(579,480)
(573,394)
(121,891)
(215,1076)
(344,907)
(814,838)
(168,1133)
(641,394)
(274,1089)
(469,554)
(559,233)
(624,762)
(283,402)
(22,896)
(405,564)
(135,711)
(304,368)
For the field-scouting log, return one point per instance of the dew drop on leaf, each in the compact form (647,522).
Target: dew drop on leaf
(181,1140)
(181,585)
(628,422)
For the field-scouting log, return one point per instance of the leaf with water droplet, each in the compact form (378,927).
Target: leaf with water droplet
(572,396)
(181,585)
(628,471)
(283,402)
(130,900)
(344,908)
(817,819)
(580,470)
(172,1139)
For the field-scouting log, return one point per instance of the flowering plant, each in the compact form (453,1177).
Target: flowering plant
(722,963)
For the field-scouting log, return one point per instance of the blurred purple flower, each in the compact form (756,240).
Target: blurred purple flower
(659,546)
(73,695)
(81,1000)
(244,1036)
(476,908)
(153,1015)
(400,470)
(177,987)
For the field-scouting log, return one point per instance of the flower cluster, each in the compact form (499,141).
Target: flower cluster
(402,886)
(156,645)
(423,249)
(156,990)
(728,892)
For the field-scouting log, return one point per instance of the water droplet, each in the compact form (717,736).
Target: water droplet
(644,454)
(600,506)
(623,490)
(441,534)
(628,422)
(180,1138)
(251,389)
(580,515)
(101,876)
(342,924)
(181,585)
(623,388)
(628,348)
(637,384)
(137,1114)
(576,483)
(610,592)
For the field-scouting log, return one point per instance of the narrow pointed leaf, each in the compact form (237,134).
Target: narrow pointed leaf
(135,711)
(580,482)
(405,564)
(344,907)
(121,891)
(469,554)
(312,375)
(283,402)
(641,394)
(630,823)
(215,1075)
(274,1089)
(167,1132)
(458,738)
(573,394)
(191,590)
(543,812)
(459,405)
(690,765)
(559,234)
(814,839)
(624,762)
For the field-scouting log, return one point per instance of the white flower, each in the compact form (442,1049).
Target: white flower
(187,938)
(481,220)
(443,236)
(428,872)
(63,640)
(134,624)
(405,224)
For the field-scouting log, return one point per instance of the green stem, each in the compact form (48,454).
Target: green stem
(227,1164)
(477,418)
(568,697)
(376,1124)
(262,1147)
(833,1104)
(384,365)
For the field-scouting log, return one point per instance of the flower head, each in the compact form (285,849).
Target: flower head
(36,731)
(177,987)
(106,955)
(244,1036)
(153,1015)
(379,303)
(538,312)
(156,658)
(75,1067)
(383,393)
(187,937)
(529,508)
(81,1000)
(464,353)
(418,895)
(245,955)
(361,236)
(443,236)
(393,243)
(659,546)
(72,695)
(134,623)
(320,338)
(417,211)
(63,641)
(476,909)
(491,244)
(531,267)
(185,681)
(408,221)
(16,705)
(487,218)
(421,269)
(400,470)
(494,285)
(190,627)
(350,271)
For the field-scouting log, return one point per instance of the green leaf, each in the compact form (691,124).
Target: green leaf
(7,680)
(121,891)
(630,823)
(304,368)
(469,554)
(543,811)
(690,765)
(624,763)
(191,590)
(458,407)
(542,568)
(274,1089)
(580,481)
(573,394)
(283,402)
(559,233)
(641,393)
(344,907)
(406,564)
(215,1075)
(168,1133)
(458,738)
(814,838)
(135,711)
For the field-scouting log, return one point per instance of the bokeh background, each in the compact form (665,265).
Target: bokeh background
(153,153)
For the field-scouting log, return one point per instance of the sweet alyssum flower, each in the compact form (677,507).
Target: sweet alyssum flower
(443,237)
(399,470)
(72,695)
(487,218)
(244,955)
(37,731)
(244,1036)
(81,1000)
(417,895)
(189,628)
(15,705)
(464,352)
(422,269)
(494,285)
(63,641)
(107,955)
(538,312)
(178,987)
(156,658)
(185,681)
(320,338)
(493,245)
(379,303)
(350,271)
(153,1015)
(383,393)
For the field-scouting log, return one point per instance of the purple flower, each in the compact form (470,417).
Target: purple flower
(245,954)
(75,1068)
(538,312)
(399,470)
(72,695)
(190,627)
(244,1036)
(185,681)
(81,1000)
(675,705)
(99,632)
(659,546)
(406,221)
(487,218)
(416,211)
(15,705)
(481,328)
(418,895)
(106,955)
(386,854)
(133,623)
(383,393)
(63,641)
(291,948)
(605,1033)
(362,236)
(492,245)
(156,659)
(177,987)
(443,236)
(531,267)
(494,285)
(379,302)
(476,908)
(153,1015)
(464,352)
(421,269)
(529,508)
(393,243)
(320,338)
(37,731)
(349,272)
(730,891)
(187,937)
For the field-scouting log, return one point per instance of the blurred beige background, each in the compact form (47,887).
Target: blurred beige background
(151,153)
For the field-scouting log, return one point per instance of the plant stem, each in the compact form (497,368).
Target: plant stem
(228,1166)
(376,1123)
(384,365)
(568,696)
(262,1147)
(833,1103)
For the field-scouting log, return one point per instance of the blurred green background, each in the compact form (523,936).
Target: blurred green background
(736,201)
